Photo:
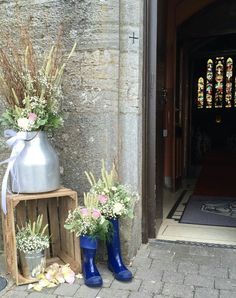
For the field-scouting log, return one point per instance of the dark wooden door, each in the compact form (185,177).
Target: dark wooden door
(153,124)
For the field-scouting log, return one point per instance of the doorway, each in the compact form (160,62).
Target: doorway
(196,43)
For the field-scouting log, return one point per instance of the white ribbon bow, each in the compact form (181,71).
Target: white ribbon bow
(17,142)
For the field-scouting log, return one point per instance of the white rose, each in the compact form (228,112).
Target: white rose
(23,123)
(118,208)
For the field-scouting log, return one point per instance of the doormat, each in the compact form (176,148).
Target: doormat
(3,283)
(214,211)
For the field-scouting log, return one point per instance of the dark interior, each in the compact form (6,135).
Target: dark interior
(215,36)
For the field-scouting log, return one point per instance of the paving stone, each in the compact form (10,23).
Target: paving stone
(79,281)
(228,259)
(164,265)
(180,249)
(173,277)
(196,259)
(149,274)
(225,284)
(87,292)
(206,293)
(188,267)
(232,273)
(202,251)
(139,295)
(227,294)
(108,293)
(161,254)
(106,274)
(176,270)
(66,289)
(130,286)
(21,288)
(175,290)
(107,282)
(40,295)
(200,281)
(14,294)
(153,244)
(213,271)
(144,251)
(142,262)
(151,287)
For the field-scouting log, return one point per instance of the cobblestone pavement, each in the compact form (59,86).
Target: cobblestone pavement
(160,270)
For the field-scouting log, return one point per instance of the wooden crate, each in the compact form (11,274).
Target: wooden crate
(64,246)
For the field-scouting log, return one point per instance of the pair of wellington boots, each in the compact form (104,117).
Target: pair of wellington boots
(92,277)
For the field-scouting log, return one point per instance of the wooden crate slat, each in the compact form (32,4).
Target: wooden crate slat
(42,209)
(54,231)
(10,240)
(20,214)
(76,246)
(22,280)
(54,206)
(31,210)
(44,195)
(66,236)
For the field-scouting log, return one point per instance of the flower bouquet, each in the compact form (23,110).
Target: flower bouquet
(31,88)
(88,220)
(89,225)
(31,241)
(115,199)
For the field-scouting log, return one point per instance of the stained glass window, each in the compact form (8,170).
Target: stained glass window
(217,86)
(200,96)
(209,83)
(235,92)
(228,83)
(219,71)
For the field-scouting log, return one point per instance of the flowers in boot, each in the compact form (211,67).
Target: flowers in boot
(114,199)
(88,220)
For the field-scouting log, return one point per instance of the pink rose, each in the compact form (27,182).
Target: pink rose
(102,199)
(84,211)
(96,213)
(32,117)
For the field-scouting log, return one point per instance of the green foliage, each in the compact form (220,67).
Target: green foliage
(32,237)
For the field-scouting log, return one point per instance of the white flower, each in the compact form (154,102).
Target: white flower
(118,208)
(23,123)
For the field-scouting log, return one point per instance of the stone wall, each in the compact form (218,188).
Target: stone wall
(102,89)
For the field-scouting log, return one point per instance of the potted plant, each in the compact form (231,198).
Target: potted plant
(31,86)
(89,225)
(31,241)
(115,201)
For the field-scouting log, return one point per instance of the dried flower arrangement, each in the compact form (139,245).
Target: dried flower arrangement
(31,86)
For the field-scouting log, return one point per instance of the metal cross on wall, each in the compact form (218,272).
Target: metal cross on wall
(133,37)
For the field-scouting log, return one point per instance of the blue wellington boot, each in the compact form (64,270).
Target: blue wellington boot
(92,277)
(115,263)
